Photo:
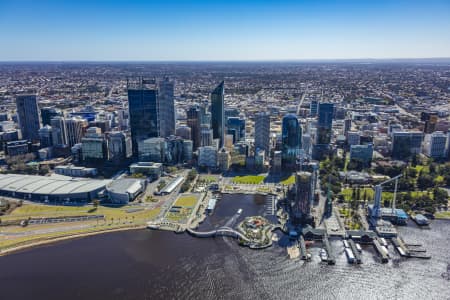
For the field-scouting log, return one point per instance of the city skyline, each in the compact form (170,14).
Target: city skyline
(223,30)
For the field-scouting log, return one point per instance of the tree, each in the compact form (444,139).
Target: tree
(424,181)
(96,203)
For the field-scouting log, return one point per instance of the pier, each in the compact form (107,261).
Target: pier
(405,249)
(331,259)
(303,251)
(355,251)
(381,250)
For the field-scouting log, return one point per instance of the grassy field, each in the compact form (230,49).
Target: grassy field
(442,214)
(186,201)
(116,219)
(249,179)
(288,181)
(37,211)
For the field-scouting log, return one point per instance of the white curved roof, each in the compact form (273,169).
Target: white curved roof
(49,185)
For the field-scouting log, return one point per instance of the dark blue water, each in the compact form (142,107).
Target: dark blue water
(146,264)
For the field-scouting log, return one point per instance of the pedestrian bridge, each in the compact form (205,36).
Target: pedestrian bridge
(222,231)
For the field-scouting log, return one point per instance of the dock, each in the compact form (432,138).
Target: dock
(381,250)
(355,251)
(331,259)
(404,249)
(302,246)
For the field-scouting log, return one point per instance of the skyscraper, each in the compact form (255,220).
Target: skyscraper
(324,130)
(236,127)
(143,111)
(119,146)
(262,131)
(291,140)
(217,113)
(29,118)
(75,129)
(59,131)
(304,191)
(166,107)
(193,121)
(47,113)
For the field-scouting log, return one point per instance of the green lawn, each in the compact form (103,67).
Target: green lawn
(186,201)
(249,179)
(208,178)
(442,214)
(288,181)
(36,211)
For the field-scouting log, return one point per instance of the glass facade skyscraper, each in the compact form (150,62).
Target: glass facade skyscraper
(29,117)
(218,114)
(324,130)
(291,140)
(143,111)
(166,107)
(236,127)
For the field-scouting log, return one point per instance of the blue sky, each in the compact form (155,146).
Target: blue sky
(223,30)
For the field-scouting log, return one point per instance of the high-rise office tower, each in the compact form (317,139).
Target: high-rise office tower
(406,144)
(29,118)
(47,113)
(143,111)
(313,107)
(166,108)
(218,113)
(46,136)
(291,141)
(236,128)
(75,129)
(59,131)
(206,135)
(119,146)
(304,191)
(324,130)
(184,131)
(94,146)
(193,121)
(262,131)
(435,145)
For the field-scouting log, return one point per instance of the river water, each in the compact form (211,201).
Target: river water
(146,264)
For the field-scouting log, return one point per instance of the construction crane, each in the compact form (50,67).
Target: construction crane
(376,211)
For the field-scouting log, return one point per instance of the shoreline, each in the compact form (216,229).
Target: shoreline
(37,243)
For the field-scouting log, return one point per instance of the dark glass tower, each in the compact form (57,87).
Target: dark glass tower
(28,114)
(324,129)
(217,113)
(143,111)
(193,114)
(47,113)
(291,140)
(236,127)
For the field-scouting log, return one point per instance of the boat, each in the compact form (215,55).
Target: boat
(346,245)
(350,256)
(323,255)
(358,247)
(383,242)
(239,211)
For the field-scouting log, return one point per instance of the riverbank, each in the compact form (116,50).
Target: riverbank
(39,242)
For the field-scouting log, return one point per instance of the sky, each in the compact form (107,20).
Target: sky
(201,30)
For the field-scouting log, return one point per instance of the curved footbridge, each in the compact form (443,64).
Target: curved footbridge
(222,231)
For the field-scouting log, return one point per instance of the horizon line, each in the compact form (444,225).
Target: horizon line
(228,60)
